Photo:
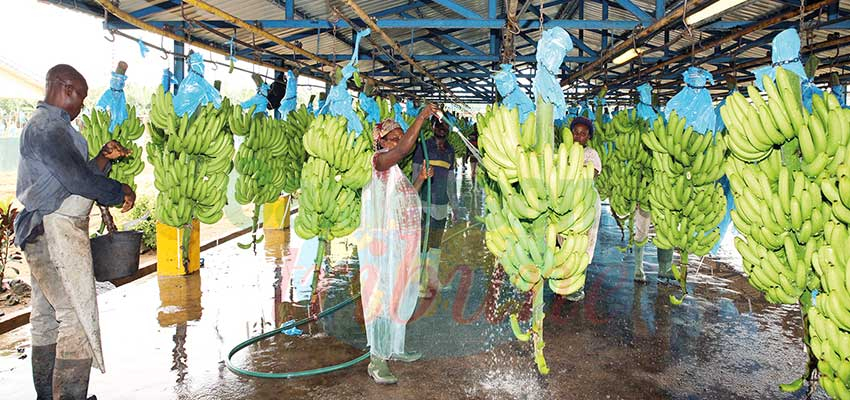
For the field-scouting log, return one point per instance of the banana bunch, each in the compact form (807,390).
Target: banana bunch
(823,140)
(830,344)
(687,203)
(297,122)
(755,128)
(338,167)
(535,194)
(192,158)
(260,163)
(96,132)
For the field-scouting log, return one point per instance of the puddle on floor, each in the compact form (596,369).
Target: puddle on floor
(167,338)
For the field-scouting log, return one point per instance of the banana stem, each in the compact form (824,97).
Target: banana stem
(317,266)
(187,236)
(812,363)
(254,223)
(537,328)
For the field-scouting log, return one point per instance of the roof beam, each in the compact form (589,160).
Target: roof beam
(641,15)
(457,8)
(496,23)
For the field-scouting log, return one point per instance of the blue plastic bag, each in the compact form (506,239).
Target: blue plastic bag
(512,95)
(194,90)
(694,101)
(410,109)
(840,93)
(290,98)
(143,48)
(399,116)
(644,107)
(785,53)
(370,108)
(552,48)
(727,220)
(719,125)
(259,101)
(113,100)
(167,80)
(339,102)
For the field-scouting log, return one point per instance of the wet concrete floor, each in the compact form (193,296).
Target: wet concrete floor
(167,338)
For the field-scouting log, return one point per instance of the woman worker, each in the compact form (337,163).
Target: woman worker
(388,246)
(582,130)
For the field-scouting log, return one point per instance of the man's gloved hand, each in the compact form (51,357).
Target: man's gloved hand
(113,150)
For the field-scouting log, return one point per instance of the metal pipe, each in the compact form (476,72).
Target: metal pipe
(589,70)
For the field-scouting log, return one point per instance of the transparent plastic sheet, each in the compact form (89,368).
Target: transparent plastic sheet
(388,243)
(694,101)
(399,116)
(195,90)
(512,95)
(114,101)
(785,53)
(644,107)
(552,48)
(370,108)
(339,102)
(259,101)
(290,97)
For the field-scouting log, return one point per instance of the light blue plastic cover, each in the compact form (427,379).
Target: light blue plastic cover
(694,101)
(259,101)
(840,93)
(644,107)
(399,116)
(512,95)
(551,50)
(290,98)
(113,100)
(143,48)
(167,80)
(195,90)
(339,102)
(410,109)
(786,54)
(370,108)
(719,125)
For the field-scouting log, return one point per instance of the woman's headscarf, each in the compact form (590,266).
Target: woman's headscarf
(383,129)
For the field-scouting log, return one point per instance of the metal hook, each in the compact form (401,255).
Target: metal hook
(214,64)
(111,37)
(164,55)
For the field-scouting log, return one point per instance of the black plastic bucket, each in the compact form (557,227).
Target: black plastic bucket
(116,255)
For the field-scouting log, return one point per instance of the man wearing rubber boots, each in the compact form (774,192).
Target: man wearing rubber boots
(665,257)
(441,158)
(57,185)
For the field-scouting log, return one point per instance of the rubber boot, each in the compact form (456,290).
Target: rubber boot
(640,276)
(433,266)
(423,276)
(407,356)
(665,266)
(380,372)
(43,360)
(71,379)
(577,296)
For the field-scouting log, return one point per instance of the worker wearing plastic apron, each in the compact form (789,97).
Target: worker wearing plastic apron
(441,157)
(582,130)
(388,247)
(57,185)
(665,257)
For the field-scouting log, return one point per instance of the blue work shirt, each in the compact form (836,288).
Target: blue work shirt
(54,165)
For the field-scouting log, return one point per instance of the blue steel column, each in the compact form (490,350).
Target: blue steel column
(179,63)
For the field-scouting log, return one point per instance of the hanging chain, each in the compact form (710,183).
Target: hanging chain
(333,44)
(540,14)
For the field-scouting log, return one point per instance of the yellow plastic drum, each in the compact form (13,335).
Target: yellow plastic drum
(276,215)
(169,252)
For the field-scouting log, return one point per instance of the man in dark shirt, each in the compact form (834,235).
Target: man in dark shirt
(57,185)
(441,158)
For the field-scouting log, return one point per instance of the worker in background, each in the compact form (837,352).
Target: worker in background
(441,157)
(57,185)
(665,256)
(388,247)
(582,130)
(468,157)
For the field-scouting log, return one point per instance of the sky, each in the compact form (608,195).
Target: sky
(37,36)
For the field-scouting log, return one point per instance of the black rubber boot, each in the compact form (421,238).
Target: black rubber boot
(43,359)
(71,379)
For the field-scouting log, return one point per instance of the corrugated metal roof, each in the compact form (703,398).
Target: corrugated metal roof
(326,44)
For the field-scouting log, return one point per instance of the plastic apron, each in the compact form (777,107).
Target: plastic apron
(388,248)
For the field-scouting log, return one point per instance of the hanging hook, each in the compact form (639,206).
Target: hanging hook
(214,64)
(111,37)
(164,55)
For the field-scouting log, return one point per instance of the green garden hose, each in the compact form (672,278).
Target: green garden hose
(287,326)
